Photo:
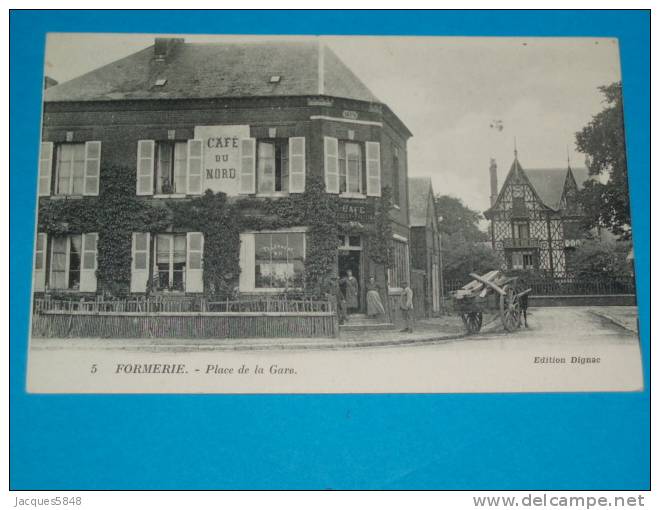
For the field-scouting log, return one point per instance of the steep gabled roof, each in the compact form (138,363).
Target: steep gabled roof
(216,70)
(549,183)
(420,194)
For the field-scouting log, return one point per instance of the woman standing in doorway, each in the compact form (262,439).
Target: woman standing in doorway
(374,304)
(351,291)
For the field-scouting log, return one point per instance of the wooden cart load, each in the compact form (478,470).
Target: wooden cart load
(493,292)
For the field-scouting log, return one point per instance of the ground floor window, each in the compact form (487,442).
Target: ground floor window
(272,260)
(522,260)
(399,272)
(70,259)
(170,262)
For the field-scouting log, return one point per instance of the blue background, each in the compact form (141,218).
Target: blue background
(523,441)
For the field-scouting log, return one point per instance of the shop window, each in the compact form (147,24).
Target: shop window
(170,171)
(170,262)
(272,166)
(350,167)
(279,260)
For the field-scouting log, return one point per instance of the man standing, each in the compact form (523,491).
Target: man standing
(406,305)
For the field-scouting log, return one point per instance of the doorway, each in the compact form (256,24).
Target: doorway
(350,259)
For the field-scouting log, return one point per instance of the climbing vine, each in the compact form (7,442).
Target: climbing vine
(117,212)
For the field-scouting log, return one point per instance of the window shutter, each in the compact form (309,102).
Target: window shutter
(40,262)
(373,169)
(45,168)
(195,167)
(145,167)
(92,168)
(331,165)
(297,164)
(195,262)
(246,260)
(247,183)
(140,261)
(88,264)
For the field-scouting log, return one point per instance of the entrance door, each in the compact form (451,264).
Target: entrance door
(350,259)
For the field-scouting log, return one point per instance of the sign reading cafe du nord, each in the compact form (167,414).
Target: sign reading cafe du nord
(222,156)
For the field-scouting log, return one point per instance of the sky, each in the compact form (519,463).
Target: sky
(451,92)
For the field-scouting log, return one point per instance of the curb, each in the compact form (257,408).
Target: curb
(613,320)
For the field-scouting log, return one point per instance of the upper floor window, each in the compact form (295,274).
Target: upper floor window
(520,230)
(396,177)
(67,169)
(273,166)
(349,167)
(169,167)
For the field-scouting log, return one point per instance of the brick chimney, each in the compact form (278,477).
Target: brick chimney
(493,182)
(163,46)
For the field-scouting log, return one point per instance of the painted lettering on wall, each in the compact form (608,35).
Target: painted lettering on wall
(222,156)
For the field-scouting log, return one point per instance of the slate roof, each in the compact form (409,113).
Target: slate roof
(420,192)
(549,182)
(217,70)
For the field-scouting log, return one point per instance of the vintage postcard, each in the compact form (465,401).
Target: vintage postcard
(249,214)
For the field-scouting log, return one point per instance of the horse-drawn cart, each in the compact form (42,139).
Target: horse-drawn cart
(494,292)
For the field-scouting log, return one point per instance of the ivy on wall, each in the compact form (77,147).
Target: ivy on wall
(117,212)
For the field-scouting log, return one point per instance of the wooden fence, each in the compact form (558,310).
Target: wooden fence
(268,316)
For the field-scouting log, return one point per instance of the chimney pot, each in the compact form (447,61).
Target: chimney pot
(163,46)
(493,182)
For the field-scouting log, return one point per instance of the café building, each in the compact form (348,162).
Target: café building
(245,119)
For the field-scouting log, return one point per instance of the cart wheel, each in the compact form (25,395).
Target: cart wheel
(472,322)
(510,308)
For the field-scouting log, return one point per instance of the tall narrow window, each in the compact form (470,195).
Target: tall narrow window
(520,230)
(170,262)
(350,167)
(65,260)
(396,192)
(70,169)
(171,167)
(272,165)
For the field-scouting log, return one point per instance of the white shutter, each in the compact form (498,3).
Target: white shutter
(195,167)
(246,260)
(373,169)
(140,261)
(194,262)
(40,262)
(92,168)
(331,164)
(145,167)
(247,178)
(45,168)
(88,264)
(297,164)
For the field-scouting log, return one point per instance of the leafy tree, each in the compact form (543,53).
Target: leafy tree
(461,257)
(464,245)
(603,261)
(455,218)
(602,140)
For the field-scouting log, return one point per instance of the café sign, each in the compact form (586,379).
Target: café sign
(355,210)
(222,156)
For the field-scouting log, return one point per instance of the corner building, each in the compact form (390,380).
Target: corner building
(256,120)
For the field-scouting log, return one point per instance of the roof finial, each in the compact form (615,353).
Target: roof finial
(568,157)
(515,148)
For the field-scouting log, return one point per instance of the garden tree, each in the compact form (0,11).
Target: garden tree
(464,248)
(606,204)
(602,261)
(454,217)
